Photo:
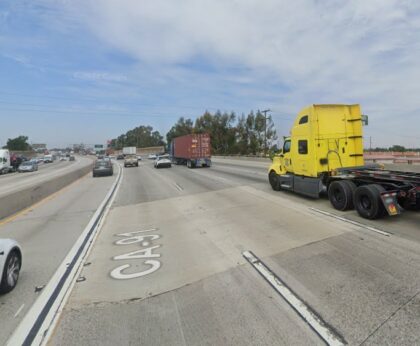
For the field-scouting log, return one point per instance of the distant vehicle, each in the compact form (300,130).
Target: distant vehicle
(131,160)
(10,264)
(152,157)
(15,161)
(72,158)
(100,157)
(120,157)
(102,167)
(129,151)
(5,165)
(193,150)
(48,158)
(162,161)
(28,166)
(62,158)
(138,158)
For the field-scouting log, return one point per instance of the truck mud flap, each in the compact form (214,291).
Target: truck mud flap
(389,199)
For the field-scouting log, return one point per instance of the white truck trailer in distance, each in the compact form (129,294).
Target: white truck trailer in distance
(129,150)
(5,166)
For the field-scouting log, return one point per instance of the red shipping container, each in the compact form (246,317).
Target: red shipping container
(194,146)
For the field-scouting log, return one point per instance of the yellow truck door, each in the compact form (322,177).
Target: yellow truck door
(303,154)
(286,157)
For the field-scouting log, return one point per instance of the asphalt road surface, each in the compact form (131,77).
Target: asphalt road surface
(168,266)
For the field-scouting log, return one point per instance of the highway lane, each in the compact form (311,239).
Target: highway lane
(198,289)
(46,233)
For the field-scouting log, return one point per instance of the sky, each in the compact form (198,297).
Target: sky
(85,71)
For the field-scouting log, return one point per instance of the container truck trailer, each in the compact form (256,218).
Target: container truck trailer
(193,150)
(324,153)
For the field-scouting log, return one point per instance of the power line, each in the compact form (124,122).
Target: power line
(84,112)
(78,99)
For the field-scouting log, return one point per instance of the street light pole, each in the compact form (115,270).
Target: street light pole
(265,130)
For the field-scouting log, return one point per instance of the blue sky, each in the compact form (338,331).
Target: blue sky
(86,71)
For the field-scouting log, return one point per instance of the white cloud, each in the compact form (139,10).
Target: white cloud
(320,51)
(99,76)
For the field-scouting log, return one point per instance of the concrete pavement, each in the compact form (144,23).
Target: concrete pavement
(167,267)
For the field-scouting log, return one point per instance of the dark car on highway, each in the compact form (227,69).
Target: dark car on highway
(102,167)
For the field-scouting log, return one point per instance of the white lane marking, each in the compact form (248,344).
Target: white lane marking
(296,303)
(370,228)
(178,187)
(25,330)
(19,311)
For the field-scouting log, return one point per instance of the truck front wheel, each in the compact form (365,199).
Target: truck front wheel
(368,203)
(274,181)
(340,194)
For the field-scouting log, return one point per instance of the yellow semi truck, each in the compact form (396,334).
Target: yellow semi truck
(324,153)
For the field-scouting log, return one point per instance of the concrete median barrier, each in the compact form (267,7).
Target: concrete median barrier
(21,199)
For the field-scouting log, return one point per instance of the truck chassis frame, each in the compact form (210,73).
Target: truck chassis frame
(371,190)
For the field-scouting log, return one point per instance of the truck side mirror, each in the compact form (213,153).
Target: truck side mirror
(365,120)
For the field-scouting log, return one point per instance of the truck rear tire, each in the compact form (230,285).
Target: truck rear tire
(368,203)
(340,194)
(274,181)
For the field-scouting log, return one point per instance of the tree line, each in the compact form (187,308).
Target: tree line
(19,143)
(140,137)
(230,134)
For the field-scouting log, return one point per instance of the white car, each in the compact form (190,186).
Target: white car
(10,264)
(152,157)
(162,162)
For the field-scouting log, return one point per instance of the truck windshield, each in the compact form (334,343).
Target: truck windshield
(286,147)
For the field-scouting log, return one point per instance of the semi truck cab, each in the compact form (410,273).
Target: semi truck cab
(323,138)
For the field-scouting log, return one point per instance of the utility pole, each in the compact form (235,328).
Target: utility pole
(265,130)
